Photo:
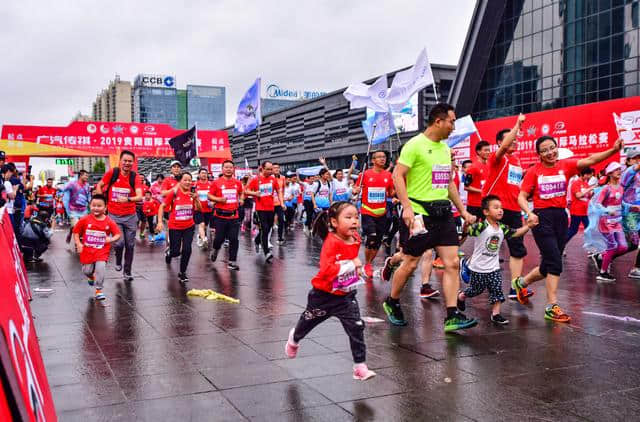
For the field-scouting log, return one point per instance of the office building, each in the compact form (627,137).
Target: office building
(270,105)
(206,107)
(113,104)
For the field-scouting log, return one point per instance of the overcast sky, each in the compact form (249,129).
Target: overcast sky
(57,55)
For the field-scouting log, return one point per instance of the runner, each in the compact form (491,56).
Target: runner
(340,186)
(291,194)
(505,177)
(76,199)
(142,220)
(168,184)
(475,178)
(307,202)
(122,188)
(376,184)
(423,182)
(46,198)
(203,218)
(321,197)
(581,192)
(156,189)
(546,182)
(182,202)
(248,209)
(150,210)
(262,187)
(227,193)
(631,204)
(278,204)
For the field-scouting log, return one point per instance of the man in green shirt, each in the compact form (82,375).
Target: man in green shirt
(424,186)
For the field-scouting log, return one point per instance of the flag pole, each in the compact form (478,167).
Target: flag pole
(435,94)
(258,145)
(366,159)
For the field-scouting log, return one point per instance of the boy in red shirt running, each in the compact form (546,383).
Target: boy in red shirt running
(98,232)
(581,192)
(263,188)
(150,209)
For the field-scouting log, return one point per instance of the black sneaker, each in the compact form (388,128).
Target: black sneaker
(387,269)
(461,303)
(597,261)
(183,278)
(118,267)
(167,257)
(499,319)
(68,239)
(427,292)
(127,277)
(233,266)
(214,255)
(268,257)
(458,321)
(257,247)
(394,312)
(605,277)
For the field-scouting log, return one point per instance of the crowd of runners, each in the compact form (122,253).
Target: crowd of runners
(422,198)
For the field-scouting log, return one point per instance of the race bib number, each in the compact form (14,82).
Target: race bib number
(231,195)
(202,195)
(346,282)
(440,176)
(95,239)
(584,197)
(376,195)
(514,176)
(552,186)
(184,212)
(341,191)
(117,193)
(266,189)
(46,200)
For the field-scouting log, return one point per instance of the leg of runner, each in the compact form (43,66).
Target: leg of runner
(186,239)
(221,225)
(279,212)
(308,209)
(266,224)
(517,250)
(232,234)
(128,226)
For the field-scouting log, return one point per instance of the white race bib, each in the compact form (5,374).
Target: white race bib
(376,195)
(514,175)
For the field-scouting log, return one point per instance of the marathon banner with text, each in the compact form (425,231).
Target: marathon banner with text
(27,389)
(109,138)
(583,129)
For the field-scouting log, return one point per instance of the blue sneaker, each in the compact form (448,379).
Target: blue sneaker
(465,272)
(394,312)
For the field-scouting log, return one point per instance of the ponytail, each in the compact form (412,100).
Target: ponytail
(322,223)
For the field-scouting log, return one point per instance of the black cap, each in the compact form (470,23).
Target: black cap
(2,155)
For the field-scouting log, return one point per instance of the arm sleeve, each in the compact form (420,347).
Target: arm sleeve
(507,231)
(329,268)
(107,177)
(529,182)
(407,156)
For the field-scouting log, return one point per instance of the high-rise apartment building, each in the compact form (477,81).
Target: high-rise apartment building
(113,104)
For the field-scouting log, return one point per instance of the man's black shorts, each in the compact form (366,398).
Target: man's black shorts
(374,226)
(440,232)
(203,217)
(513,219)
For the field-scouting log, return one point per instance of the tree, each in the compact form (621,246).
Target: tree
(99,167)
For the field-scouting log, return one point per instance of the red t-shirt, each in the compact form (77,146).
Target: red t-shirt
(46,196)
(509,177)
(59,207)
(167,184)
(150,207)
(375,190)
(121,188)
(266,186)
(276,197)
(228,188)
(478,172)
(202,189)
(579,206)
(335,264)
(94,234)
(548,185)
(181,215)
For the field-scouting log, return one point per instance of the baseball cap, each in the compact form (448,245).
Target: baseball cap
(634,152)
(613,166)
(174,162)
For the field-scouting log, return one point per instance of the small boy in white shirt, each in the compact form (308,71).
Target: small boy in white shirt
(484,265)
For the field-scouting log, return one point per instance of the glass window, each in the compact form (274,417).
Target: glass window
(604,50)
(603,95)
(617,20)
(526,21)
(518,30)
(557,17)
(631,78)
(570,34)
(557,37)
(580,31)
(604,24)
(635,19)
(527,46)
(517,50)
(617,47)
(617,80)
(557,62)
(631,90)
(537,44)
(631,64)
(617,67)
(537,20)
(591,28)
(547,41)
(547,17)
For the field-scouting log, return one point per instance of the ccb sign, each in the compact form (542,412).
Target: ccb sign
(155,81)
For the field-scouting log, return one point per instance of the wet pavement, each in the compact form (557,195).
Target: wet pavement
(152,353)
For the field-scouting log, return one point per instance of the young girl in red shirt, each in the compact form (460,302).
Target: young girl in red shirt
(333,293)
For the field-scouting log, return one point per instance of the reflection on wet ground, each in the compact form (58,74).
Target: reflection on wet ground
(153,354)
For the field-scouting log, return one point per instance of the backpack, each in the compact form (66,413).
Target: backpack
(114,177)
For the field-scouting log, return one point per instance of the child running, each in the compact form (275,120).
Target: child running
(484,265)
(98,232)
(150,209)
(333,293)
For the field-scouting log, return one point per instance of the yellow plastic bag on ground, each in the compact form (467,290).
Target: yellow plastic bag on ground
(211,295)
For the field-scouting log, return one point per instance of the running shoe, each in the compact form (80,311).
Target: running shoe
(465,274)
(214,255)
(368,271)
(458,321)
(127,277)
(428,292)
(183,278)
(118,267)
(280,242)
(91,280)
(634,273)
(597,261)
(141,235)
(199,242)
(461,254)
(388,269)
(394,312)
(291,347)
(268,257)
(462,305)
(555,313)
(205,242)
(361,372)
(512,294)
(257,246)
(99,295)
(605,277)
(305,230)
(499,319)
(167,256)
(521,291)
(437,263)
(232,265)
(226,243)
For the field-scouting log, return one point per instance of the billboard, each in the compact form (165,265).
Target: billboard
(405,120)
(109,138)
(583,129)
(155,81)
(275,92)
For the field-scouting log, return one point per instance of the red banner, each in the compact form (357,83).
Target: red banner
(109,138)
(28,388)
(583,129)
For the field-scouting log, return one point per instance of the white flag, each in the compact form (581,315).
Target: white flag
(464,128)
(410,81)
(372,96)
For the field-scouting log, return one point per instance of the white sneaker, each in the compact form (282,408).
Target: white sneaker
(361,372)
(634,273)
(199,242)
(306,231)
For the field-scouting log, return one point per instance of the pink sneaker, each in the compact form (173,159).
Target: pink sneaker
(291,348)
(361,372)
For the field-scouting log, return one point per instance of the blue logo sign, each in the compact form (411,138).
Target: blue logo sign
(168,81)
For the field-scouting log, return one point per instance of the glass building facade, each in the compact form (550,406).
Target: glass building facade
(181,96)
(206,106)
(270,105)
(558,53)
(155,105)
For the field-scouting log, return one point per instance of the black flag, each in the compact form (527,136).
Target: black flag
(184,146)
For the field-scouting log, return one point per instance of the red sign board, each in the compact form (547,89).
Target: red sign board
(109,138)
(27,387)
(583,129)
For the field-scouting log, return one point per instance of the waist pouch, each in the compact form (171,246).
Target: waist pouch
(440,209)
(225,213)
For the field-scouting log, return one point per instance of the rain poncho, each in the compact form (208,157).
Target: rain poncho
(630,182)
(594,241)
